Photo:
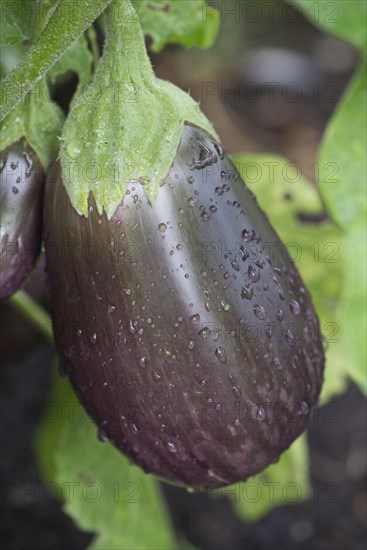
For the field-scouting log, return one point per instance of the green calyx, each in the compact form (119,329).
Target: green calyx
(127,125)
(39,120)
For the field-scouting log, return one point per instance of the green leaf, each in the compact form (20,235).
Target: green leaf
(77,58)
(68,21)
(344,18)
(186,22)
(102,491)
(317,248)
(10,56)
(127,125)
(10,33)
(39,120)
(353,305)
(57,412)
(17,18)
(344,147)
(285,482)
(343,150)
(111,496)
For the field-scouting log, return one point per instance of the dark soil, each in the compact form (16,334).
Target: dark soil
(333,518)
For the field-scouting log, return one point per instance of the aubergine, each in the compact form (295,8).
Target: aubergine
(182,323)
(22,180)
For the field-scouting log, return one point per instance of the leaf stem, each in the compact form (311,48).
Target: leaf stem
(67,23)
(42,14)
(34,312)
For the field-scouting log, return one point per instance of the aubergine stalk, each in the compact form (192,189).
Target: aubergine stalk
(182,323)
(21,201)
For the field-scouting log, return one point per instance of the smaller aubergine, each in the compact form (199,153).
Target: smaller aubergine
(22,181)
(182,323)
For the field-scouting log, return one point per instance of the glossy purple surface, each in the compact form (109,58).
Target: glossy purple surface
(21,202)
(183,325)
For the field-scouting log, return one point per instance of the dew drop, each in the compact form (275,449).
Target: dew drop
(221,354)
(171,447)
(162,227)
(232,430)
(295,307)
(191,344)
(73,150)
(236,391)
(290,338)
(142,361)
(253,273)
(247,235)
(132,327)
(259,311)
(204,333)
(247,292)
(134,429)
(303,408)
(244,253)
(102,436)
(280,315)
(260,414)
(235,265)
(225,306)
(194,319)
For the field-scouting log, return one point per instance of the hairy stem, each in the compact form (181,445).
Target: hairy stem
(67,23)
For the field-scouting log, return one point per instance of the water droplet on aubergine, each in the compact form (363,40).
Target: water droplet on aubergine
(178,380)
(221,354)
(247,292)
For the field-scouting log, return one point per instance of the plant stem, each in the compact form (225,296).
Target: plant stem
(43,8)
(67,23)
(34,312)
(125,48)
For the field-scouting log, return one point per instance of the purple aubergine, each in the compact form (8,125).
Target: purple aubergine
(182,323)
(21,201)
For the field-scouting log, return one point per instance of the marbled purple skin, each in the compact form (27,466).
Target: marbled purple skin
(130,298)
(21,203)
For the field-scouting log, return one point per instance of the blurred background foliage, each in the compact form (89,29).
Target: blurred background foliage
(315,197)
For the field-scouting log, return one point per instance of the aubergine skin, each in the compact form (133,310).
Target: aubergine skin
(196,350)
(22,182)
